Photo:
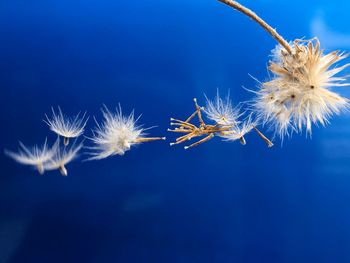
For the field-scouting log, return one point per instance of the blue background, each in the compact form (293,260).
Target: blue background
(220,202)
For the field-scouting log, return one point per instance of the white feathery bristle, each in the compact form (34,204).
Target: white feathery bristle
(35,156)
(65,126)
(221,111)
(299,93)
(116,135)
(239,131)
(62,157)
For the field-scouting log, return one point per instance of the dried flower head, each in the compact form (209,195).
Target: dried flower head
(299,93)
(35,156)
(117,134)
(65,126)
(62,157)
(221,128)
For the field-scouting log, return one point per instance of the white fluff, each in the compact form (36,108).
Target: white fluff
(62,157)
(115,135)
(35,156)
(221,111)
(239,131)
(65,126)
(299,93)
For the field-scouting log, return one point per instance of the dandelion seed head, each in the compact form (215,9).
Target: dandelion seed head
(62,157)
(299,93)
(65,126)
(35,156)
(116,135)
(221,111)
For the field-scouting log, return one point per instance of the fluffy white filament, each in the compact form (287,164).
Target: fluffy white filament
(35,156)
(221,110)
(65,126)
(115,135)
(62,157)
(299,93)
(238,132)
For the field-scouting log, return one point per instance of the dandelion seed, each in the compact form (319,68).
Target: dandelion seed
(298,95)
(238,132)
(221,111)
(62,157)
(208,131)
(117,134)
(66,127)
(35,156)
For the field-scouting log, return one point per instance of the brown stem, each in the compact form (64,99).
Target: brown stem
(205,139)
(201,122)
(187,136)
(191,117)
(269,143)
(182,139)
(183,123)
(151,139)
(179,130)
(260,21)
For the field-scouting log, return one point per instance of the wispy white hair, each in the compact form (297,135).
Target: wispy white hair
(115,135)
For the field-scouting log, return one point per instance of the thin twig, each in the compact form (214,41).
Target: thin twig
(260,21)
(149,139)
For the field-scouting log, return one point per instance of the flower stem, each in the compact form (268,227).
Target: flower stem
(261,22)
(149,139)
